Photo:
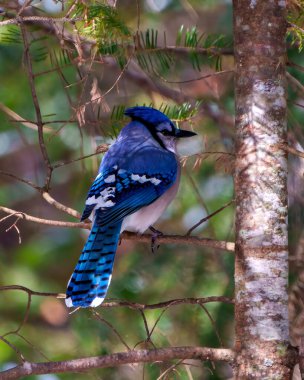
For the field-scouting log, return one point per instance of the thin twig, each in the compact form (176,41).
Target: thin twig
(40,123)
(13,347)
(15,227)
(165,304)
(206,76)
(25,318)
(101,319)
(31,292)
(294,151)
(100,149)
(213,323)
(26,181)
(208,217)
(45,195)
(54,223)
(17,118)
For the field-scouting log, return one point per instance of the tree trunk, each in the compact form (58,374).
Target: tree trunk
(261,267)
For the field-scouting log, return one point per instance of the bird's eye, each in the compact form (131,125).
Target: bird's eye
(165,132)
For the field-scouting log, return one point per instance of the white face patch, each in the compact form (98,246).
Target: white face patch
(169,142)
(103,199)
(143,179)
(110,178)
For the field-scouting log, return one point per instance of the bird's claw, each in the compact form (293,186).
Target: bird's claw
(155,235)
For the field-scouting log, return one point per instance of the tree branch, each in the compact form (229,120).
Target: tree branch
(209,216)
(294,151)
(54,223)
(17,118)
(113,360)
(40,123)
(35,19)
(60,206)
(136,75)
(164,304)
(25,181)
(178,239)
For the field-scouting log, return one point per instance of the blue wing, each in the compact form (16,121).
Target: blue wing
(122,189)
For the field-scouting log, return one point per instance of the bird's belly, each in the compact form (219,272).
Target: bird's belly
(147,216)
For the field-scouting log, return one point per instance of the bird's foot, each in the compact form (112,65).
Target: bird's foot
(155,235)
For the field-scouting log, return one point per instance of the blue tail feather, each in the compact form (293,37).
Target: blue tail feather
(91,278)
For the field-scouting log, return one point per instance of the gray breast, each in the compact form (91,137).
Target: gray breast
(147,216)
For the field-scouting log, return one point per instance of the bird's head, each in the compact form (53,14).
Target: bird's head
(160,126)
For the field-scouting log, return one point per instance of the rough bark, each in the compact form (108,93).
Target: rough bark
(261,267)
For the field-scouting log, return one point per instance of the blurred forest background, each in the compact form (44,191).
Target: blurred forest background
(81,96)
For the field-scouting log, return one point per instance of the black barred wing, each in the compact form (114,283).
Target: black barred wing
(117,193)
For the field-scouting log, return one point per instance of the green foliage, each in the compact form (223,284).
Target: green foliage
(59,57)
(101,20)
(149,55)
(176,112)
(10,34)
(153,57)
(181,112)
(39,50)
(103,24)
(296,36)
(295,18)
(191,38)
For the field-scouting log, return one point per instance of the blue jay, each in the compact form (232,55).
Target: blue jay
(137,179)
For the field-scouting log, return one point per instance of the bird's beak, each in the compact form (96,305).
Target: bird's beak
(183,133)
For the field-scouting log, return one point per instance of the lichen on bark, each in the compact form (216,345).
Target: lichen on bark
(261,268)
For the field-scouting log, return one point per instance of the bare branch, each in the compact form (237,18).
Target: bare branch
(133,356)
(26,181)
(177,239)
(45,195)
(294,151)
(218,244)
(295,82)
(14,226)
(100,149)
(209,216)
(54,223)
(206,76)
(40,123)
(13,347)
(123,303)
(18,118)
(165,304)
(31,292)
(60,206)
(35,19)
(188,50)
(101,319)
